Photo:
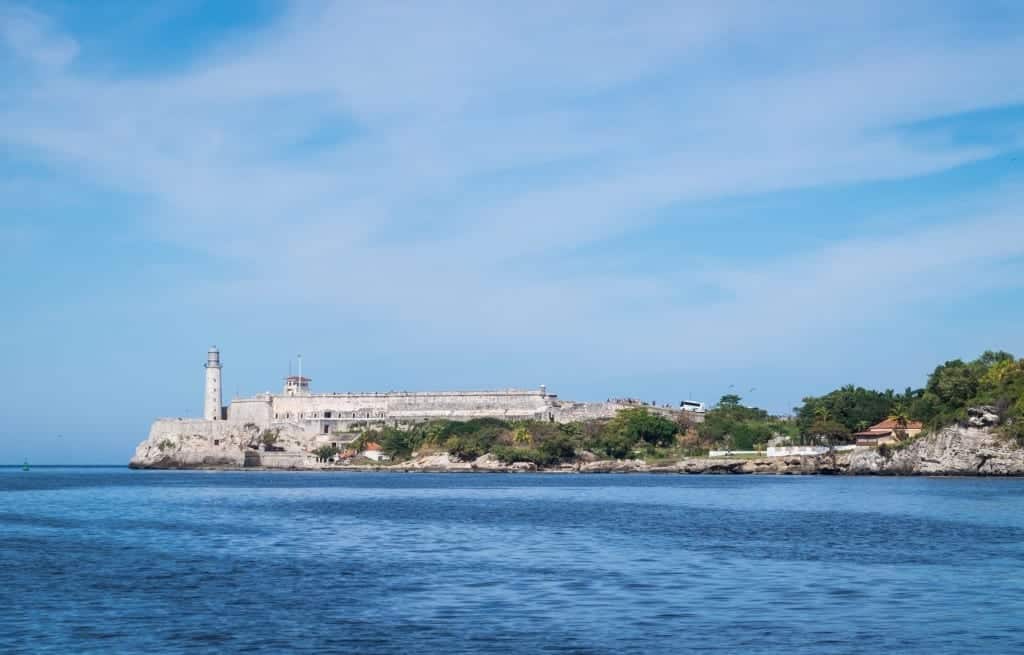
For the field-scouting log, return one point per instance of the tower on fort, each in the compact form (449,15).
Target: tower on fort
(211,399)
(296,385)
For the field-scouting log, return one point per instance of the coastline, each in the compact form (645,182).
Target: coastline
(973,449)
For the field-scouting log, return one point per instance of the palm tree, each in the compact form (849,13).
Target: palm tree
(522,436)
(900,418)
(899,415)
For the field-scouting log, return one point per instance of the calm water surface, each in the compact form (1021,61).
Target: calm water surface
(111,561)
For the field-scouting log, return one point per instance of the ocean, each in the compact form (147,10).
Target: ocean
(108,560)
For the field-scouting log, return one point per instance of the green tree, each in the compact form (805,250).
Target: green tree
(638,424)
(849,405)
(735,426)
(521,436)
(830,433)
(396,443)
(324,453)
(557,449)
(614,445)
(954,383)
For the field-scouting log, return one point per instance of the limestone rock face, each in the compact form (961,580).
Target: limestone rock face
(982,417)
(488,462)
(953,451)
(614,466)
(438,462)
(195,443)
(201,443)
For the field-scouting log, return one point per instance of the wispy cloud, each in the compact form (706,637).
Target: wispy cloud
(34,39)
(497,134)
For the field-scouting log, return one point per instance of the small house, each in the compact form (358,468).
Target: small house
(373,450)
(888,431)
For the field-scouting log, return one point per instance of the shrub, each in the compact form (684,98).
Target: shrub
(511,454)
(614,445)
(466,447)
(638,424)
(269,437)
(324,453)
(557,448)
(394,442)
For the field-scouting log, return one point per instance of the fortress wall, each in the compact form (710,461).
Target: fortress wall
(193,428)
(343,405)
(414,405)
(566,412)
(287,460)
(257,410)
(309,414)
(469,403)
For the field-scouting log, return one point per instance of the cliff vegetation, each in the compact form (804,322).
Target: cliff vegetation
(994,379)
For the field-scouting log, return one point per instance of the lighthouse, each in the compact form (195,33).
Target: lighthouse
(211,399)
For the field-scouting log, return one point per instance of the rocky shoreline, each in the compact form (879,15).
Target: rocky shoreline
(972,450)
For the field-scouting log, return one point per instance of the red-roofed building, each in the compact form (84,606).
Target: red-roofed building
(373,450)
(888,431)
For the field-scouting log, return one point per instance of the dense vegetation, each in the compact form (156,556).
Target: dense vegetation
(847,410)
(543,443)
(732,425)
(994,378)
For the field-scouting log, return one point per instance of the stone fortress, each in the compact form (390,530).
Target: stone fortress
(302,420)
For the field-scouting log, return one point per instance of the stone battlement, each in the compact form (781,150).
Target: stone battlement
(426,394)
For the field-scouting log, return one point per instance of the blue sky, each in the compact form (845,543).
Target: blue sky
(654,199)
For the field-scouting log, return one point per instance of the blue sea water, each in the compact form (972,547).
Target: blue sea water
(119,561)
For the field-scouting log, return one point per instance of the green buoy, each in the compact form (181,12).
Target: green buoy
(24,467)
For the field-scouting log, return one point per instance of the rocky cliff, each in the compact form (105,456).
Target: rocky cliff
(196,443)
(975,448)
(189,443)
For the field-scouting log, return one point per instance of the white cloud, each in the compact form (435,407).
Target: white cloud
(502,133)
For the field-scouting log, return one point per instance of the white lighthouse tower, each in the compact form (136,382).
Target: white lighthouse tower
(211,400)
